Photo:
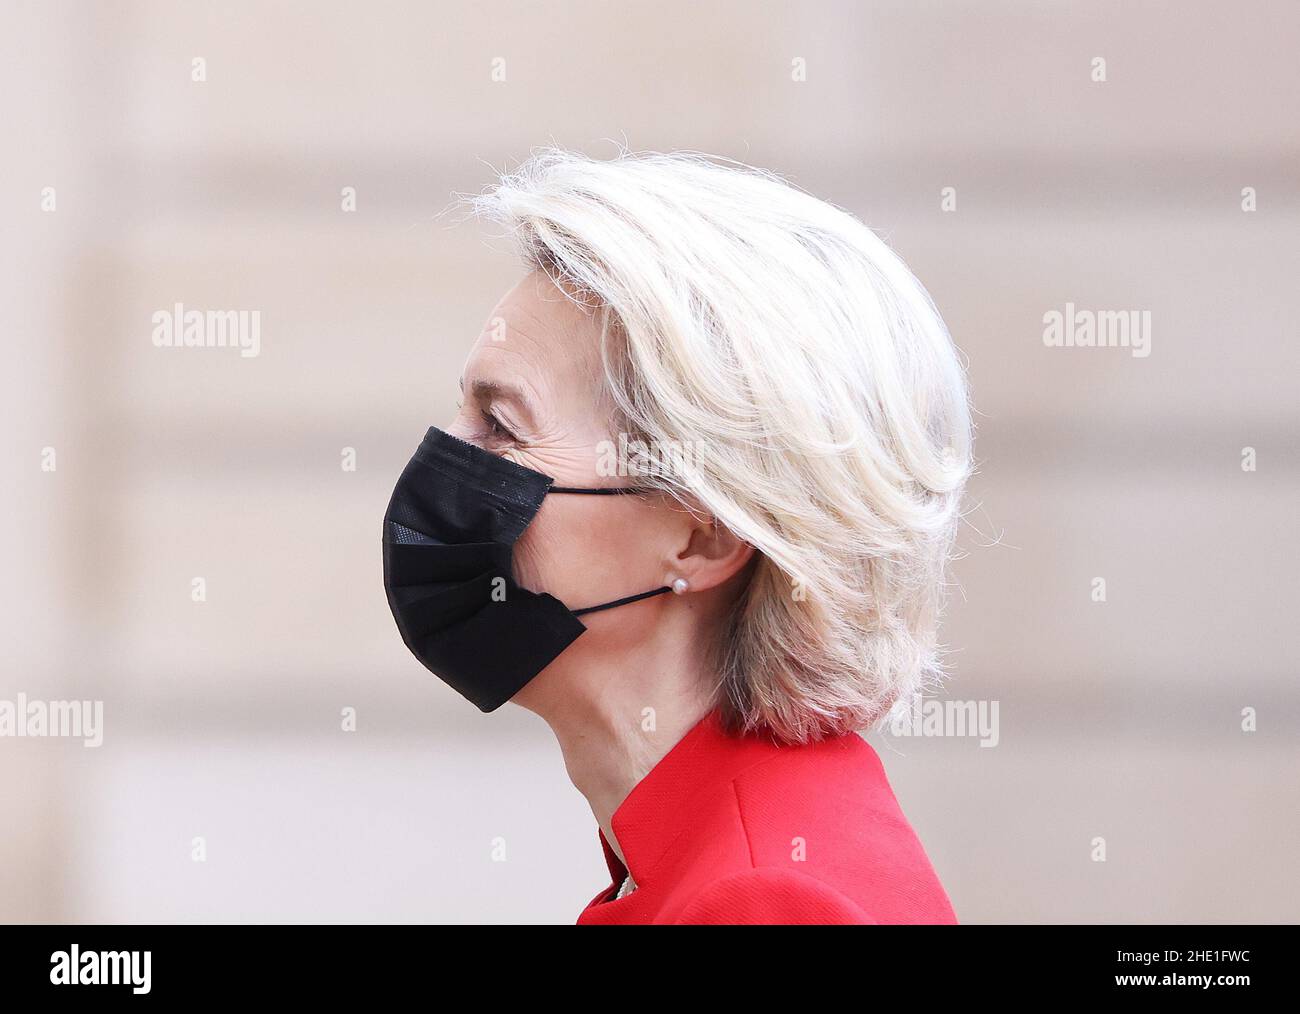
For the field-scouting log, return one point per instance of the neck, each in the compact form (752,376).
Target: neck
(605,762)
(614,734)
(617,709)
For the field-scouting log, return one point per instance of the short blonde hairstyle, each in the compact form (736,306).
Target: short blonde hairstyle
(744,316)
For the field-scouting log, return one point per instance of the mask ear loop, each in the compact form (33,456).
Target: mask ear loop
(621,602)
(611,491)
(601,490)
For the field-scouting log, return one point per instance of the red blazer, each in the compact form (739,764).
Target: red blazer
(740,830)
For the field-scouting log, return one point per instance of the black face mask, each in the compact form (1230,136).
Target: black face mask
(449,534)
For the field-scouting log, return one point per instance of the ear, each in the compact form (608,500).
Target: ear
(711,555)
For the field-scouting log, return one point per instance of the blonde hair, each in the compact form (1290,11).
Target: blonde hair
(745,316)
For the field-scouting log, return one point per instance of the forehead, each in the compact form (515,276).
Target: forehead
(538,338)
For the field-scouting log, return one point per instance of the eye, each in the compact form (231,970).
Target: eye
(496,428)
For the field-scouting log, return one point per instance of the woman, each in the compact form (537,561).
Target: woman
(778,405)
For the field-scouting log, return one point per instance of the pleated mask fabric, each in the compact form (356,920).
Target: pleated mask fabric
(449,533)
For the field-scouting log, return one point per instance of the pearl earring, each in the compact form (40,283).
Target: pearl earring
(680,586)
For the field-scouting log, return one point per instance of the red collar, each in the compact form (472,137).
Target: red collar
(658,809)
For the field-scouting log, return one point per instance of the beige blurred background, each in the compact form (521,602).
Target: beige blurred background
(1119,720)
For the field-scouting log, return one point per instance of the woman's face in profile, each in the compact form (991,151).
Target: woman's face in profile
(531,392)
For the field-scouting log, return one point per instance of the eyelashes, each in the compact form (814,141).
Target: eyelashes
(496,427)
(493,427)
